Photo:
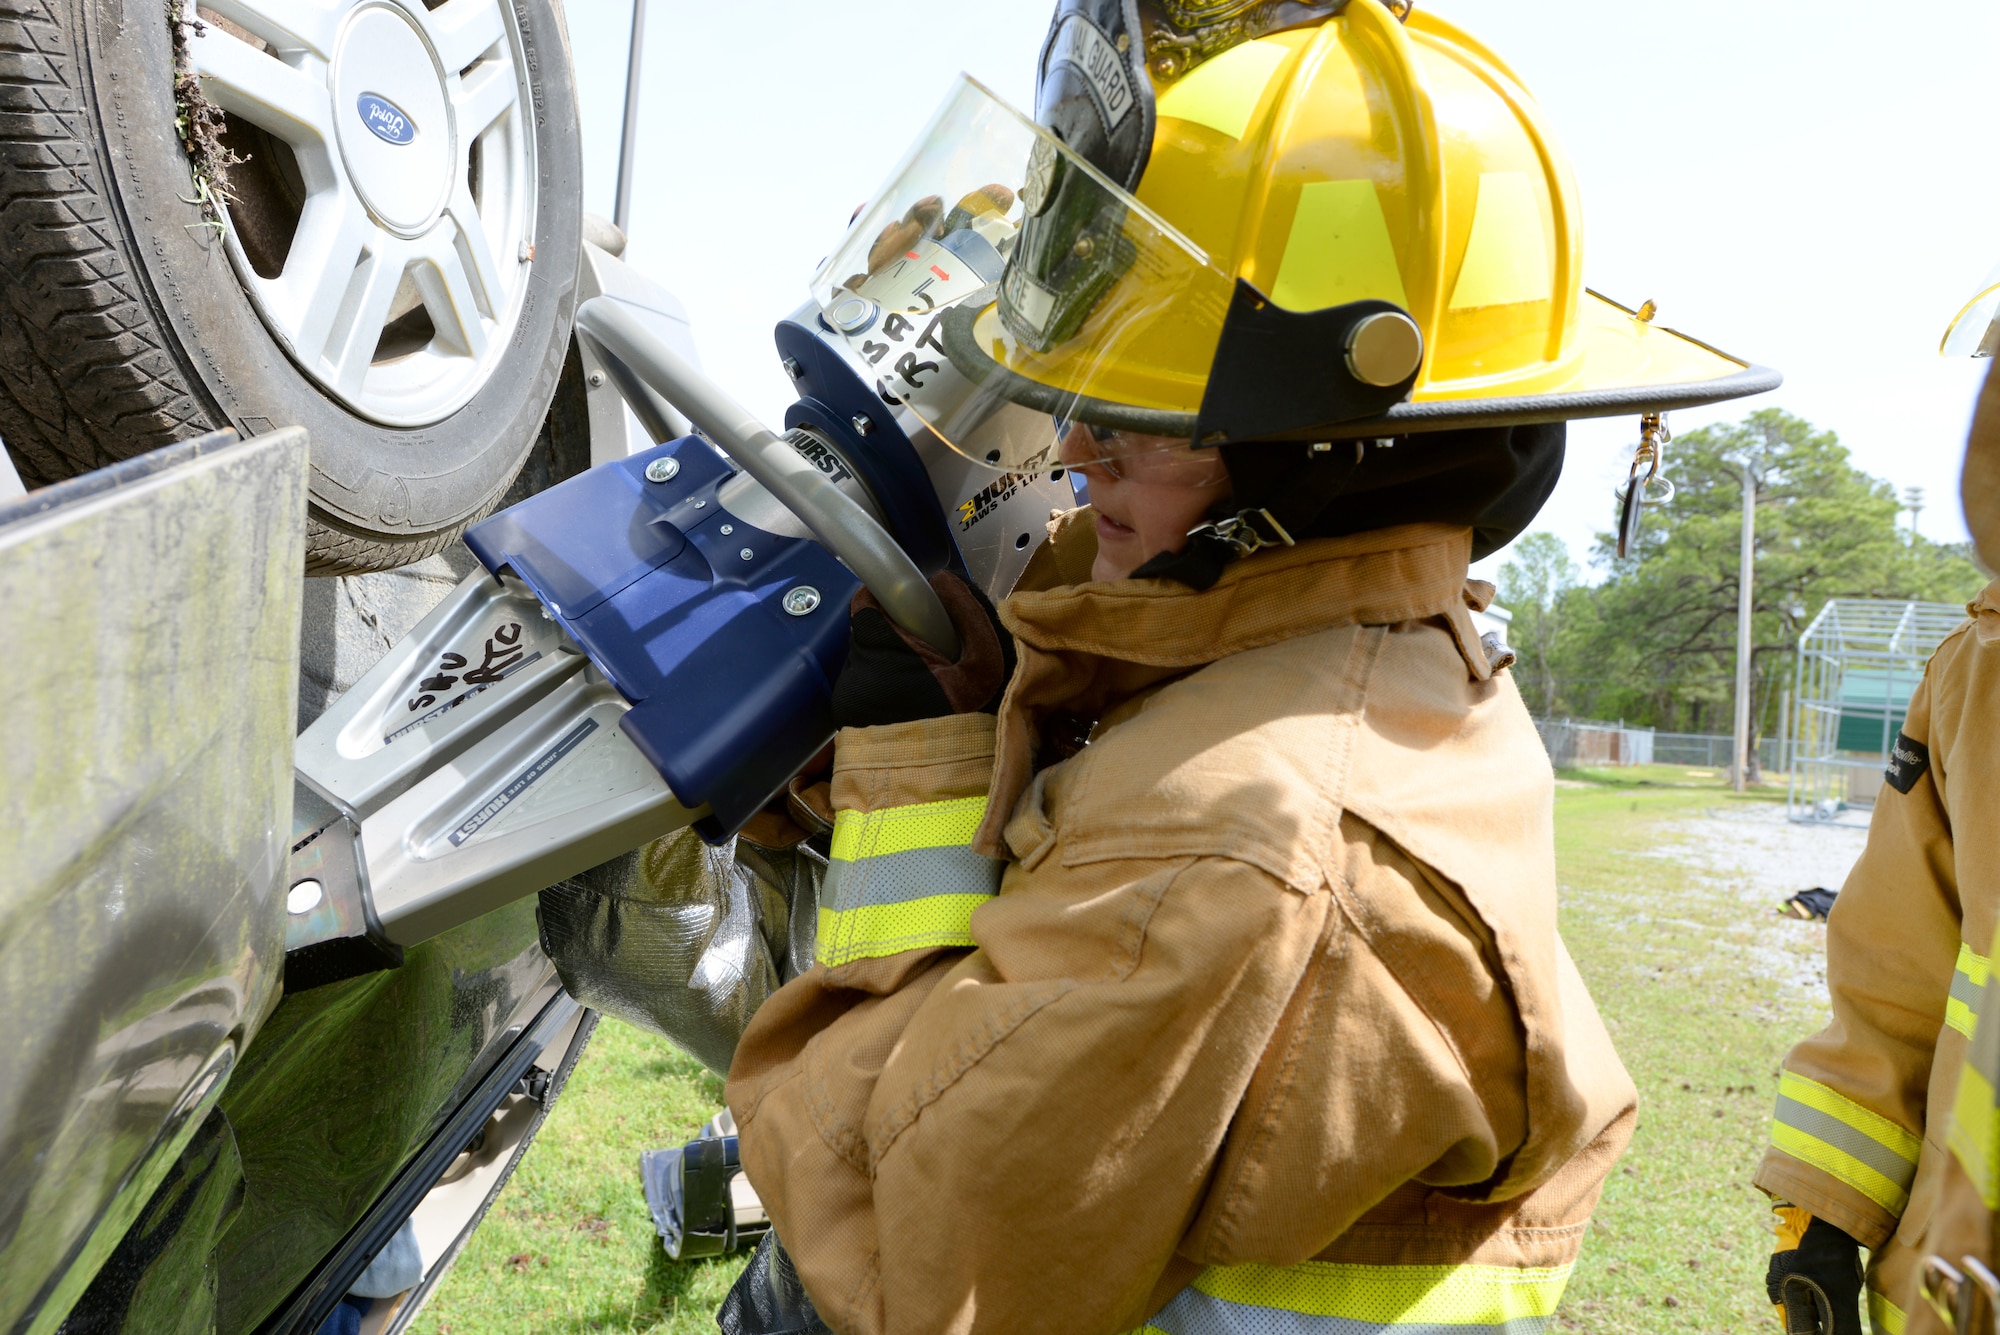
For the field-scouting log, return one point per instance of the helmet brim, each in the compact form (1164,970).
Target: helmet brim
(1629,366)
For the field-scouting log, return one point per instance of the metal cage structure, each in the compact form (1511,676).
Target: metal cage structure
(1857,665)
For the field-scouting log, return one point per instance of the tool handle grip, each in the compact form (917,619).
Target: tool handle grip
(834,517)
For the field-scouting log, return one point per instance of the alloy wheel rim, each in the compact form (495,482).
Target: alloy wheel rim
(390,255)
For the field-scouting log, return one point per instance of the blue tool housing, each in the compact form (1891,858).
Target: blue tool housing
(731,692)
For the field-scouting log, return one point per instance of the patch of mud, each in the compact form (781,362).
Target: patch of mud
(1752,858)
(198,121)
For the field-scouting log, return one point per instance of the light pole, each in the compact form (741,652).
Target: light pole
(1739,767)
(1913,501)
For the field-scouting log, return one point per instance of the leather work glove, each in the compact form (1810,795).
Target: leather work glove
(1815,1276)
(891,677)
(768,1299)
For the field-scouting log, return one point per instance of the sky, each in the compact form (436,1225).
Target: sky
(1809,187)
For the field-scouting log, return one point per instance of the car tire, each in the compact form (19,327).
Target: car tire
(136,315)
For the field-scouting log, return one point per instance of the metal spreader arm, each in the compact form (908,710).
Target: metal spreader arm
(835,518)
(661,419)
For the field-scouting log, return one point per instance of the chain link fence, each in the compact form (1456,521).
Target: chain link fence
(1578,743)
(1592,743)
(1707,750)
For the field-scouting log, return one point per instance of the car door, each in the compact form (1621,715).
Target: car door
(152,624)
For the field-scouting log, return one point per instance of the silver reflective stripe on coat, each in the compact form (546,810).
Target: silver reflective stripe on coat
(1860,1147)
(1968,983)
(903,878)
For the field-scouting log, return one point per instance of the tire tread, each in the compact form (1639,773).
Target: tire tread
(84,378)
(87,377)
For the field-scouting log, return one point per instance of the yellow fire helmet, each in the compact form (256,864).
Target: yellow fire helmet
(1359,227)
(1975,330)
(1979,483)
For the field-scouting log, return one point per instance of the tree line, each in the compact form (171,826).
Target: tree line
(1654,643)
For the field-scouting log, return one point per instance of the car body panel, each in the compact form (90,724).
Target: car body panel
(348,1081)
(307,1141)
(145,808)
(347,1086)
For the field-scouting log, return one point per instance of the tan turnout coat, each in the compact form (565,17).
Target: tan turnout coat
(1272,973)
(1864,1110)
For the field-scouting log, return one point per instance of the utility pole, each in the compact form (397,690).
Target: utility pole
(1913,501)
(628,141)
(1739,768)
(1785,730)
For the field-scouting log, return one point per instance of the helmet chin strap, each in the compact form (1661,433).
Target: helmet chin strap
(1279,491)
(1491,480)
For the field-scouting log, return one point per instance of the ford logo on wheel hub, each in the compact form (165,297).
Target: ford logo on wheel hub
(385,119)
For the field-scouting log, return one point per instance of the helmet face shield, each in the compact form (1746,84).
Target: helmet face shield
(1030,311)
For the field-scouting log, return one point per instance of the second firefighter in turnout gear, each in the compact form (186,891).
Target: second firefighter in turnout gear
(1863,1137)
(1858,1140)
(1956,1279)
(1211,982)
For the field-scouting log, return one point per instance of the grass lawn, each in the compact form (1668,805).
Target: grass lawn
(1699,983)
(569,1245)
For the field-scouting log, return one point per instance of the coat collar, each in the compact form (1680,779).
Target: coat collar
(1086,647)
(1984,610)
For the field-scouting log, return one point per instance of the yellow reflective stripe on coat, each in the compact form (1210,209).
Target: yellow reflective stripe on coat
(1968,982)
(1337,1298)
(1883,1315)
(1974,1137)
(1839,1137)
(903,878)
(1975,1132)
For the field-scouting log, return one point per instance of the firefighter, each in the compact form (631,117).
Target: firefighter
(1200,970)
(1955,1285)
(1863,1138)
(1956,1281)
